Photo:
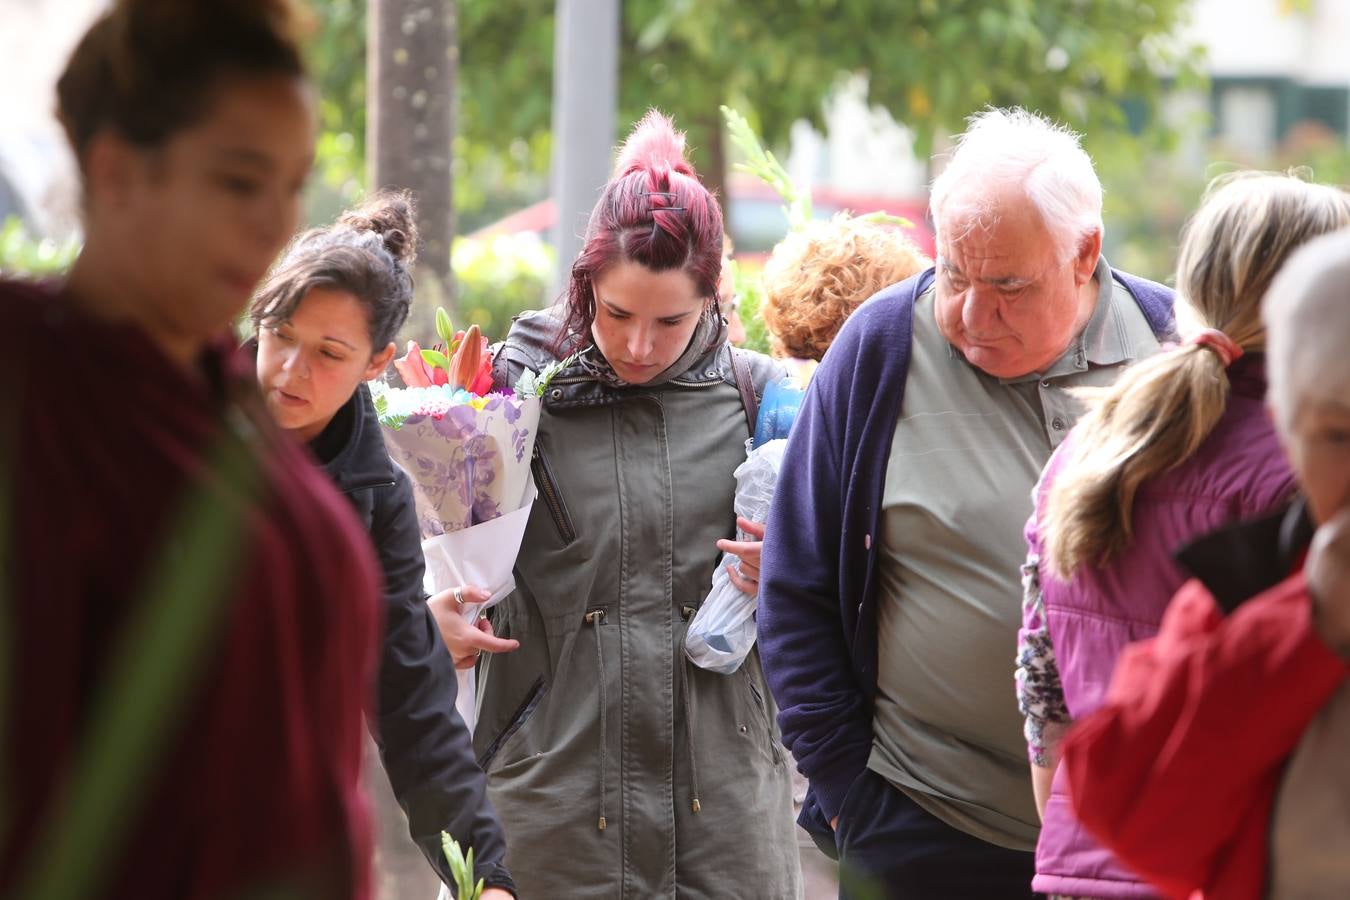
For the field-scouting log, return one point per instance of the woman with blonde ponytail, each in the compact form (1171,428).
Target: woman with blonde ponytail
(1179,446)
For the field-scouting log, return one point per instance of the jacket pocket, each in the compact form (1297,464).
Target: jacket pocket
(853,820)
(548,490)
(770,734)
(518,719)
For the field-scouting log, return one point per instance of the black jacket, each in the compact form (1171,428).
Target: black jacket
(423,742)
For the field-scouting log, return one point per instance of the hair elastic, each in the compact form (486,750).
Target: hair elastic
(1222,345)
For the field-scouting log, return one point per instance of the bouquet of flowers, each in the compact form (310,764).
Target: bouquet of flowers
(467,451)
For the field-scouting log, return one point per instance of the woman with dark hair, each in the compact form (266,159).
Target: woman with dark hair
(618,767)
(324,324)
(190,607)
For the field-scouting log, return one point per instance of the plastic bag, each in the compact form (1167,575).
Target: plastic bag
(777,410)
(723,630)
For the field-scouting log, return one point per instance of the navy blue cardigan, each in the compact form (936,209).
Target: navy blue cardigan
(817,618)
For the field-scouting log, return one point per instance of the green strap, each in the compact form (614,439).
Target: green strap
(150,677)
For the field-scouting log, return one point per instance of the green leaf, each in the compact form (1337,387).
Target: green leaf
(530,384)
(766,167)
(885,218)
(461,869)
(436,359)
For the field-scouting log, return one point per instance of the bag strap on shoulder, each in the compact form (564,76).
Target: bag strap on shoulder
(740,366)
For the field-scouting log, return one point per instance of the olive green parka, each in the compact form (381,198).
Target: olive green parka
(620,769)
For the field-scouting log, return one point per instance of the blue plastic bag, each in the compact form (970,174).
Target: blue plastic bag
(777,410)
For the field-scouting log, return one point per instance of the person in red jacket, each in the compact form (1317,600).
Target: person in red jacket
(188,609)
(1217,765)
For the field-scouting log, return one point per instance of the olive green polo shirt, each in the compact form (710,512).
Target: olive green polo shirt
(967,451)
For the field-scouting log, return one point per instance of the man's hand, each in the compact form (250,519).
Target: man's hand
(747,579)
(1328,574)
(463,639)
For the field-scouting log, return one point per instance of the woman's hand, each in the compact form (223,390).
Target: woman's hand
(496,894)
(747,579)
(1328,574)
(463,639)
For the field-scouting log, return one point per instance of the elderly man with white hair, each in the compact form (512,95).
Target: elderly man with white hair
(889,602)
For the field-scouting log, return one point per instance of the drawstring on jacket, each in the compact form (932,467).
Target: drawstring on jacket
(596,618)
(687,703)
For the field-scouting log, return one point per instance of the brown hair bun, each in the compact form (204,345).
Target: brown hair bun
(391,215)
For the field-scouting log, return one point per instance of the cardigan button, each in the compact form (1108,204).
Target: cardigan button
(867,542)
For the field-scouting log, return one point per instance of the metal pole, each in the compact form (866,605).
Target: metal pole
(585,97)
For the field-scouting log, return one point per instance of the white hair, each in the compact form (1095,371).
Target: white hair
(1003,147)
(1307,317)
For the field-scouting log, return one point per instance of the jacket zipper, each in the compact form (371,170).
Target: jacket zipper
(548,488)
(518,719)
(367,486)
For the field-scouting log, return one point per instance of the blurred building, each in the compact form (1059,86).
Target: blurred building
(1276,70)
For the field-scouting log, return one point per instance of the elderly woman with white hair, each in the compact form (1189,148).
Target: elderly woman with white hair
(889,590)
(1218,762)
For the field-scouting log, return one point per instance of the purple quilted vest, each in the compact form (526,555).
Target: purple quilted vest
(1238,473)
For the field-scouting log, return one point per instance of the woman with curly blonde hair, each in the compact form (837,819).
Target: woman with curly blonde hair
(819,275)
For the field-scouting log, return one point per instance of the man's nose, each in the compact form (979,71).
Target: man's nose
(979,312)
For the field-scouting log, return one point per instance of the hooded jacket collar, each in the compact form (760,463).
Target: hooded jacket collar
(1240,561)
(362,461)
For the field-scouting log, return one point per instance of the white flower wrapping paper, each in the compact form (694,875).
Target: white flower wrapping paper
(473,488)
(723,630)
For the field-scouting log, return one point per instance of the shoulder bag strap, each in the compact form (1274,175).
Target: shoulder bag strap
(746,385)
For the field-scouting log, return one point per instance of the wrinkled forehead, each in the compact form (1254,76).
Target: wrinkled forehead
(995,242)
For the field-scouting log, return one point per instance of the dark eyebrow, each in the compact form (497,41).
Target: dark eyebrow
(615,308)
(1333,406)
(246,156)
(339,341)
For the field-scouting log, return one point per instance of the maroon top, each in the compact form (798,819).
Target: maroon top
(254,782)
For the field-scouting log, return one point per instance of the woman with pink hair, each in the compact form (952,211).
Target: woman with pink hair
(598,735)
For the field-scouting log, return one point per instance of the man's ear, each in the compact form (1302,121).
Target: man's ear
(1085,260)
(379,362)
